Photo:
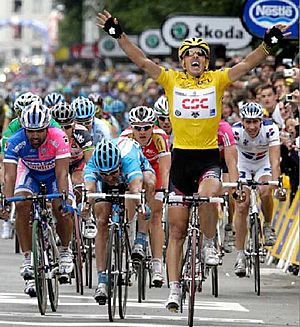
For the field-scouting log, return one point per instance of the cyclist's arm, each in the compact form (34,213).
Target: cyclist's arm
(137,56)
(10,174)
(164,163)
(61,173)
(87,154)
(274,154)
(252,60)
(136,185)
(231,159)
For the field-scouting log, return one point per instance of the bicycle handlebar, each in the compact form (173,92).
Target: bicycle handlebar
(36,197)
(251,183)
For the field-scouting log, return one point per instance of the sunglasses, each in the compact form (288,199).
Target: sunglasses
(111,173)
(192,51)
(67,126)
(142,128)
(85,123)
(163,118)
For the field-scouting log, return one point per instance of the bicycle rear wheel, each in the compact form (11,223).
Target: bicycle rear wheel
(39,266)
(76,248)
(124,254)
(256,260)
(192,283)
(53,266)
(112,271)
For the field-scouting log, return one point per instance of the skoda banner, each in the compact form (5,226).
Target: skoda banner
(152,43)
(228,31)
(109,47)
(259,15)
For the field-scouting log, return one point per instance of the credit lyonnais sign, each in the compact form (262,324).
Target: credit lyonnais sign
(215,30)
(258,15)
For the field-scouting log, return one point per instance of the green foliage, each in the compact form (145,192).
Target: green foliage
(138,15)
(70,27)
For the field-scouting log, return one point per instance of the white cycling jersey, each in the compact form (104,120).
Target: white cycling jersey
(253,153)
(100,130)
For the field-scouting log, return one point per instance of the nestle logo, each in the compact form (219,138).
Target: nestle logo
(266,13)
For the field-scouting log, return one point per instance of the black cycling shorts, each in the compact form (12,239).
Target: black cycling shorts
(189,167)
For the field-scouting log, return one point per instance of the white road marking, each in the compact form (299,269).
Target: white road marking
(13,298)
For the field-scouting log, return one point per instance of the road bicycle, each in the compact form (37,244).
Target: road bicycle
(255,251)
(44,247)
(118,249)
(194,270)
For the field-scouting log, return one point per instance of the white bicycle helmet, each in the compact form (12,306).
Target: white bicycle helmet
(53,98)
(142,114)
(24,101)
(251,110)
(161,106)
(63,113)
(36,117)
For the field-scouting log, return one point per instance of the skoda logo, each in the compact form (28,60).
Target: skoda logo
(266,13)
(180,31)
(108,45)
(152,41)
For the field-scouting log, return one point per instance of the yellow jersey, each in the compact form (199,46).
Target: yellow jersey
(195,106)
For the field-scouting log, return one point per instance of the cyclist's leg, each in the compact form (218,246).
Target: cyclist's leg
(64,227)
(102,211)
(240,223)
(178,222)
(210,185)
(157,242)
(266,197)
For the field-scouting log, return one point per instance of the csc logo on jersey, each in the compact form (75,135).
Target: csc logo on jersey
(195,103)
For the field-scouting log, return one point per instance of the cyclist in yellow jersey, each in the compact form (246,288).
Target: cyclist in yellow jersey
(194,97)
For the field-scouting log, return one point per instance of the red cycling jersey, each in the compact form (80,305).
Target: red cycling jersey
(157,146)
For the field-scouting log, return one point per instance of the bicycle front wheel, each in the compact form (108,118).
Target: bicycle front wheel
(112,271)
(39,266)
(256,262)
(88,262)
(53,267)
(124,273)
(76,248)
(192,283)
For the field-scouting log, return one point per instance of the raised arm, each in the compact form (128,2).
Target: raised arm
(134,53)
(272,37)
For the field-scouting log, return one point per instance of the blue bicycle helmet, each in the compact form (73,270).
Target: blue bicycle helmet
(251,110)
(36,117)
(84,108)
(53,98)
(107,156)
(117,106)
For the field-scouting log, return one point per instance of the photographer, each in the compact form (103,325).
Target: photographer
(289,155)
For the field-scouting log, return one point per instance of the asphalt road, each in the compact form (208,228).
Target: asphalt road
(237,304)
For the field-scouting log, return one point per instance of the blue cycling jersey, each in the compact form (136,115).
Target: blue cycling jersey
(133,162)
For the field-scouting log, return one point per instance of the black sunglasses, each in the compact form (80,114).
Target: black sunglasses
(111,173)
(67,126)
(142,128)
(163,118)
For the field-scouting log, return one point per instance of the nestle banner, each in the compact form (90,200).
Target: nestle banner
(259,15)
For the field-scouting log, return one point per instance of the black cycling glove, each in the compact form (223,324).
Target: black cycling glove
(113,29)
(273,37)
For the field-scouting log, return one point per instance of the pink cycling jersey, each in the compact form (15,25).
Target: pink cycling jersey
(225,136)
